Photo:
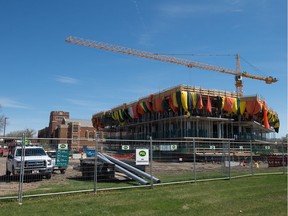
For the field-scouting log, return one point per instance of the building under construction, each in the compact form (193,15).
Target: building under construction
(184,112)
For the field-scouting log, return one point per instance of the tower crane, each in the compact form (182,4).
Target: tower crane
(165,58)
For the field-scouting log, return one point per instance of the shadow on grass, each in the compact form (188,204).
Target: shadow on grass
(104,180)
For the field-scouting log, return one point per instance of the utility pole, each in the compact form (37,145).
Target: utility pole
(5,119)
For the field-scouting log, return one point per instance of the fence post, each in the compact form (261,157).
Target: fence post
(229,160)
(96,163)
(21,177)
(251,159)
(283,159)
(194,159)
(151,162)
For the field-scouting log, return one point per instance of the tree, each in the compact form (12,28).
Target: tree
(29,133)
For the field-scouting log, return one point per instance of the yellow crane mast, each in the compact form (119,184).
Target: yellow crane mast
(165,58)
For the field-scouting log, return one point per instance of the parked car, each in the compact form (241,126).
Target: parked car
(3,151)
(52,155)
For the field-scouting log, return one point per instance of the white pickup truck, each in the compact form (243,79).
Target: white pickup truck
(36,161)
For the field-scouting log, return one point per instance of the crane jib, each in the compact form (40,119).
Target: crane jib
(169,59)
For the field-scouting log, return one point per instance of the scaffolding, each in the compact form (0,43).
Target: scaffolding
(184,123)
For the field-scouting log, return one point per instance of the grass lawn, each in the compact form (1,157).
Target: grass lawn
(257,195)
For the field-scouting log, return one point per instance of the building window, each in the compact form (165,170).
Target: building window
(75,128)
(75,139)
(91,135)
(59,118)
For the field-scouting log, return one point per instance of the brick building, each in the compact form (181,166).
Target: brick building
(74,132)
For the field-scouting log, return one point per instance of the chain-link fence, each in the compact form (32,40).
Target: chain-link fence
(38,167)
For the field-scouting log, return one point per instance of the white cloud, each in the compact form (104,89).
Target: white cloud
(65,79)
(10,103)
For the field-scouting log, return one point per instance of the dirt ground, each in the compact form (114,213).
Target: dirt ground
(10,184)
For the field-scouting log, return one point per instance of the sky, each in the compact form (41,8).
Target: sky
(41,73)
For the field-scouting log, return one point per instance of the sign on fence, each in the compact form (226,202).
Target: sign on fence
(142,157)
(125,147)
(62,155)
(168,147)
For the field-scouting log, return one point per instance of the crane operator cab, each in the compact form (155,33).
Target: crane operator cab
(238,79)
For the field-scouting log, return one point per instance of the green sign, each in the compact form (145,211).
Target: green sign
(125,147)
(142,153)
(27,142)
(62,157)
(173,147)
(63,146)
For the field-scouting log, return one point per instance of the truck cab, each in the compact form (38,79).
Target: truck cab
(34,158)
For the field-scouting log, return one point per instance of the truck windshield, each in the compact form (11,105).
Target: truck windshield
(31,152)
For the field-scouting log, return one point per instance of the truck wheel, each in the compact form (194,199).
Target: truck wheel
(48,176)
(62,171)
(13,170)
(8,173)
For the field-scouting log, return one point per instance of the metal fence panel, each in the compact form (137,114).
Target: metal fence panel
(132,163)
